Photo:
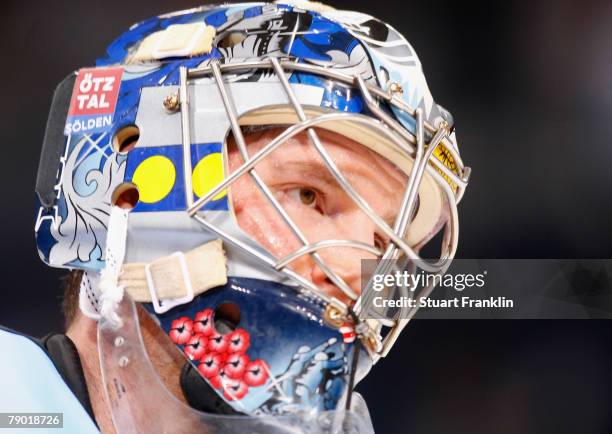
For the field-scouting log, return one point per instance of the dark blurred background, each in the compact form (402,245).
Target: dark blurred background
(530,86)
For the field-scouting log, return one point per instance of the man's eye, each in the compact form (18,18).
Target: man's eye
(306,196)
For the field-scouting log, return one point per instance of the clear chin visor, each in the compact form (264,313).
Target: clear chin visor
(140,402)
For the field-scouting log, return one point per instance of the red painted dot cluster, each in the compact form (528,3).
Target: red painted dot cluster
(221,359)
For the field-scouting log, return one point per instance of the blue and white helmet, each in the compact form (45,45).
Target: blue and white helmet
(133,188)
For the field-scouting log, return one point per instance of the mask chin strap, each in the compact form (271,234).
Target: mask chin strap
(176,279)
(100,293)
(166,282)
(111,292)
(89,296)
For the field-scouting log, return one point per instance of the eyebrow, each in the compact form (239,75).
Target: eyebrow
(313,168)
(320,169)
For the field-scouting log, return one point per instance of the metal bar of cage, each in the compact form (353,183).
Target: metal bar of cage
(230,110)
(460,180)
(385,124)
(331,166)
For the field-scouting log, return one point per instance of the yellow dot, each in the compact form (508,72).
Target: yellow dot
(154,178)
(207,174)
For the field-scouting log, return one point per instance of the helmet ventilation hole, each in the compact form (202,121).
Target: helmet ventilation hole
(125,139)
(226,317)
(125,195)
(231,39)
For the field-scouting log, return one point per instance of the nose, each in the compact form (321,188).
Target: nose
(345,262)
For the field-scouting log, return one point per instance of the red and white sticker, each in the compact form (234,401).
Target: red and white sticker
(94,100)
(95,91)
(348,332)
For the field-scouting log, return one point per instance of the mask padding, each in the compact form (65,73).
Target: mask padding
(200,395)
(53,143)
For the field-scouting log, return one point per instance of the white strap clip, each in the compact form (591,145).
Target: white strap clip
(167,304)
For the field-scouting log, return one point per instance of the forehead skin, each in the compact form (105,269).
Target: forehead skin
(356,162)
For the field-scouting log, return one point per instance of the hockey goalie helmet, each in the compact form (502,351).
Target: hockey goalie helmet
(135,188)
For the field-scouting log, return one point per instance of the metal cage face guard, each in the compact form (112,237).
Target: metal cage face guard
(413,147)
(336,70)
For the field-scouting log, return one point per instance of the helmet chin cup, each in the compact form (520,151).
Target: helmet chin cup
(140,402)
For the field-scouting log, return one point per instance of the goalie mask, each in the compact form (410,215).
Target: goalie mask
(138,185)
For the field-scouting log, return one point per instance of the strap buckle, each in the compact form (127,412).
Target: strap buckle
(163,306)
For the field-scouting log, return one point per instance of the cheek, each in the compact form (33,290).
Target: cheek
(258,218)
(255,214)
(311,223)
